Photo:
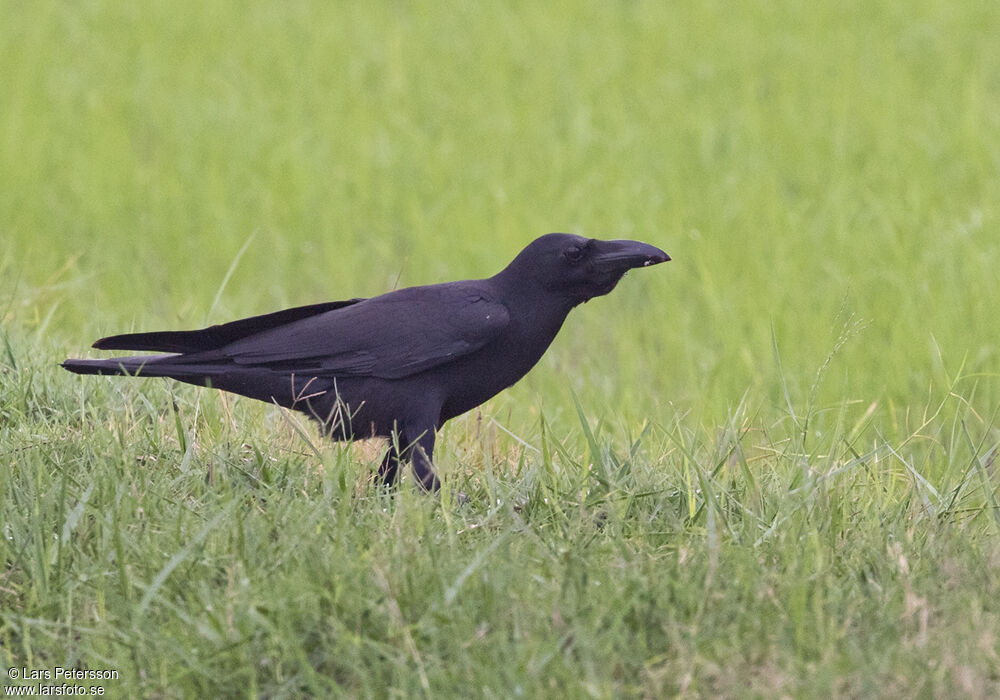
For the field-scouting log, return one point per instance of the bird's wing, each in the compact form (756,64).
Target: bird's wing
(215,337)
(391,336)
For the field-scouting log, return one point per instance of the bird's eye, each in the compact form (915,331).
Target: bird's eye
(574,254)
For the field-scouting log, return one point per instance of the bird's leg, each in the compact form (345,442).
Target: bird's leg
(420,453)
(388,471)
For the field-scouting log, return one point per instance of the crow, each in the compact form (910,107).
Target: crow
(397,365)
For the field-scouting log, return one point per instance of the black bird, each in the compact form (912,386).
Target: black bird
(397,365)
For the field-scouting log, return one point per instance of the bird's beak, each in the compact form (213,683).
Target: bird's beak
(624,255)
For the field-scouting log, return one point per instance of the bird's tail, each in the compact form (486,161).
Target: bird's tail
(300,393)
(137,365)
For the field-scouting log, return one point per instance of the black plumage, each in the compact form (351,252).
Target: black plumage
(397,365)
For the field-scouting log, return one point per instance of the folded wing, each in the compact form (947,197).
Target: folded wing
(215,337)
(391,336)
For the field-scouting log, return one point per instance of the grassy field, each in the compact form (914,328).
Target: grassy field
(765,469)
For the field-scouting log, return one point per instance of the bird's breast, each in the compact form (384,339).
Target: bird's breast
(482,375)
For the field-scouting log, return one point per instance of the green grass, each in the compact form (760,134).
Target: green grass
(766,469)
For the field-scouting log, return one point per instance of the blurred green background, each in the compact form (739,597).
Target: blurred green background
(811,509)
(801,162)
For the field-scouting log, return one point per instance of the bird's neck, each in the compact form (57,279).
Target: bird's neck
(527,295)
(533,307)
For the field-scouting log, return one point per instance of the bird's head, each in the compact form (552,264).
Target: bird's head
(581,268)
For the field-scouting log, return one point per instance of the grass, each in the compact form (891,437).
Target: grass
(765,469)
